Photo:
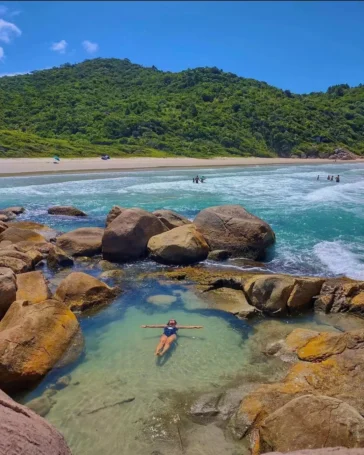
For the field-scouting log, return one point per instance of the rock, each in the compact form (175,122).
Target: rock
(15,260)
(230,300)
(41,405)
(63,382)
(341,295)
(7,289)
(15,210)
(112,274)
(3,225)
(81,242)
(114,213)
(343,154)
(32,339)
(7,216)
(16,235)
(180,246)
(35,255)
(80,291)
(270,293)
(161,299)
(126,238)
(219,255)
(313,422)
(206,405)
(58,258)
(303,293)
(232,228)
(24,432)
(45,231)
(33,287)
(171,219)
(106,265)
(66,211)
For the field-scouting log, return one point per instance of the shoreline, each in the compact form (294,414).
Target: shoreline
(10,167)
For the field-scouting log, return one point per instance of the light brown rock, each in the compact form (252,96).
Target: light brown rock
(58,258)
(32,339)
(22,432)
(114,213)
(7,289)
(303,293)
(230,300)
(16,210)
(16,235)
(3,225)
(32,286)
(66,211)
(81,242)
(171,219)
(126,238)
(17,261)
(42,229)
(232,228)
(80,291)
(182,245)
(313,422)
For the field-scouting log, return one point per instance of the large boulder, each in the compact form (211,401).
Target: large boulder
(81,242)
(42,229)
(312,422)
(341,295)
(7,289)
(66,211)
(80,291)
(126,238)
(26,433)
(16,235)
(114,213)
(171,219)
(17,261)
(16,210)
(232,228)
(32,286)
(230,300)
(58,258)
(180,246)
(32,339)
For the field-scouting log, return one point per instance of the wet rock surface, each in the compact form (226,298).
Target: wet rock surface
(171,219)
(81,242)
(66,211)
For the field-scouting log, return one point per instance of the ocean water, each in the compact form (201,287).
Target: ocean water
(121,398)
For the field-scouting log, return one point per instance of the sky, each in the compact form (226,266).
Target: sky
(298,46)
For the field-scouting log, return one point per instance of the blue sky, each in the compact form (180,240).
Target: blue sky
(300,46)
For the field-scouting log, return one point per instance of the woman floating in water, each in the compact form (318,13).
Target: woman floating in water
(169,334)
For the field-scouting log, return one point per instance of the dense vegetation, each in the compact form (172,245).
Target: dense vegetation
(116,107)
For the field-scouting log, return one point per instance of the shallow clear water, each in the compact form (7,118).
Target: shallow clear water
(320,230)
(319,224)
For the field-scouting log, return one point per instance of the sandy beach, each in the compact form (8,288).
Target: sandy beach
(20,166)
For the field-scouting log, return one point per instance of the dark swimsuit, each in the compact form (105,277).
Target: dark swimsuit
(169,331)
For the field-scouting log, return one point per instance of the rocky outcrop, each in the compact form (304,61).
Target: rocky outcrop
(16,235)
(32,339)
(7,289)
(24,432)
(114,213)
(80,291)
(81,242)
(17,261)
(32,286)
(45,231)
(180,246)
(343,154)
(232,228)
(171,219)
(3,226)
(58,258)
(16,210)
(66,211)
(314,422)
(341,295)
(230,300)
(5,215)
(126,238)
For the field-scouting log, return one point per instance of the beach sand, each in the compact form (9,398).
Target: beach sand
(19,166)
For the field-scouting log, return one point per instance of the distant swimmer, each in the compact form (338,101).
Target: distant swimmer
(197,179)
(332,178)
(193,180)
(338,178)
(318,177)
(328,177)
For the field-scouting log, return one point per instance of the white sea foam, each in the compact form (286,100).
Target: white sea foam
(332,192)
(341,259)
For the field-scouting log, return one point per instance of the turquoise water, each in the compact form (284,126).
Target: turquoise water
(121,399)
(319,224)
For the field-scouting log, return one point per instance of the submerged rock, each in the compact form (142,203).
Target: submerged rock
(112,274)
(161,299)
(81,242)
(66,211)
(24,432)
(32,286)
(126,238)
(180,246)
(32,339)
(171,219)
(80,291)
(41,405)
(232,228)
(7,289)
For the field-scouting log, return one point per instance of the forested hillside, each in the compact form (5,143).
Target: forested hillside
(116,107)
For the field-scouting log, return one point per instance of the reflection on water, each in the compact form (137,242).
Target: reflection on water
(119,388)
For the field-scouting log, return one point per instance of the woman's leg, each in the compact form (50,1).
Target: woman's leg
(161,343)
(168,343)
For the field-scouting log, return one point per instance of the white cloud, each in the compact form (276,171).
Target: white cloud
(8,31)
(90,47)
(1,53)
(13,74)
(60,46)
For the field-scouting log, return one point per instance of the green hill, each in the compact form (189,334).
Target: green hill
(116,107)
